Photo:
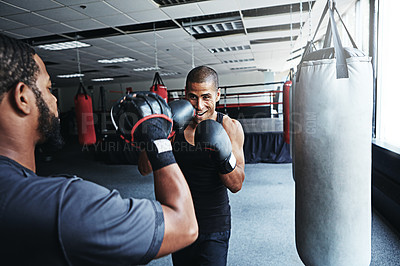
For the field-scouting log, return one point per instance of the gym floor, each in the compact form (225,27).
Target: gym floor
(262,212)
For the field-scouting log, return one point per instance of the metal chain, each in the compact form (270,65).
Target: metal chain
(309,21)
(155,45)
(291,29)
(78,59)
(301,21)
(191,35)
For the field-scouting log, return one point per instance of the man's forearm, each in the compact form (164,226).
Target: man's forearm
(234,180)
(144,165)
(172,191)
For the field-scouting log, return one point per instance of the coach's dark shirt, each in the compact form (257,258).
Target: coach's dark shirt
(69,221)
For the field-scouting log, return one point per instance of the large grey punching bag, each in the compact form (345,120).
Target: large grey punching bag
(332,152)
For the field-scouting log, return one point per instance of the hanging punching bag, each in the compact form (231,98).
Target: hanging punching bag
(332,147)
(158,87)
(286,110)
(84,117)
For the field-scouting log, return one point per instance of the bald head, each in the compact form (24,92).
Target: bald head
(202,74)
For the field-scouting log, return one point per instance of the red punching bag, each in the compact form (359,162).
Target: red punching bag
(84,117)
(158,87)
(286,110)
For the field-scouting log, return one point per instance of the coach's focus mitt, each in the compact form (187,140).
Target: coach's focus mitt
(144,119)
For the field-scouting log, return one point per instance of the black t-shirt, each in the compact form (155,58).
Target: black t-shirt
(69,221)
(210,196)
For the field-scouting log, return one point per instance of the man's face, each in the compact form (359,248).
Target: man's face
(203,97)
(49,123)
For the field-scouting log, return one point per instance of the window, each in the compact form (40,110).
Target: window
(388,88)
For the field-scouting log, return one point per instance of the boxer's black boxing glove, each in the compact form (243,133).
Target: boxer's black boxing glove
(211,135)
(144,119)
(182,113)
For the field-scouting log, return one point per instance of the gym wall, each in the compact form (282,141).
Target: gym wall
(116,90)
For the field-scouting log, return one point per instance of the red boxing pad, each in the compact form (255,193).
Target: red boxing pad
(158,87)
(84,119)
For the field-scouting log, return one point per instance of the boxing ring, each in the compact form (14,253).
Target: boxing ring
(259,109)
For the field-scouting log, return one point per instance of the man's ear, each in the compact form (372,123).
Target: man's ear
(23,97)
(218,95)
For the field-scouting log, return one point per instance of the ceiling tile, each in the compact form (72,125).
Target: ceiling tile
(174,46)
(107,46)
(97,42)
(121,39)
(147,37)
(75,2)
(62,14)
(278,46)
(55,28)
(30,32)
(183,11)
(133,6)
(34,5)
(149,50)
(274,34)
(96,9)
(108,53)
(14,35)
(252,22)
(212,42)
(218,6)
(250,4)
(175,34)
(141,57)
(95,50)
(135,45)
(149,16)
(6,10)
(234,56)
(30,19)
(6,24)
(85,24)
(116,20)
(236,40)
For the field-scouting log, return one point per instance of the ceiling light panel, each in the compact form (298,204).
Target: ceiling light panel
(116,60)
(213,25)
(231,61)
(67,76)
(272,40)
(229,49)
(167,74)
(164,3)
(142,69)
(102,79)
(274,34)
(274,28)
(276,10)
(243,68)
(217,27)
(64,46)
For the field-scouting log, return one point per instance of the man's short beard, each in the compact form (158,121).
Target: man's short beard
(49,125)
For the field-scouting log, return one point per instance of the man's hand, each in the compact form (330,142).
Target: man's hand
(145,120)
(211,135)
(182,113)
